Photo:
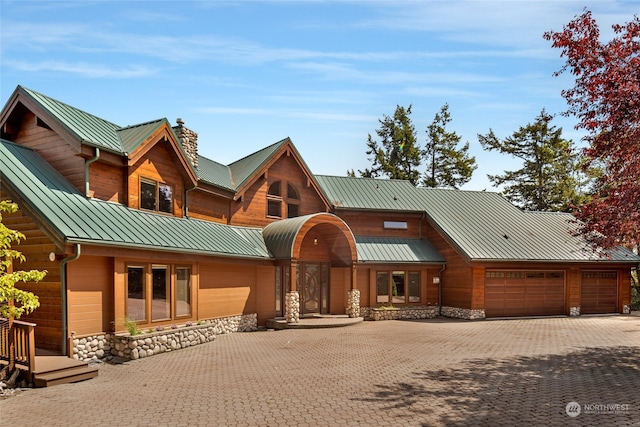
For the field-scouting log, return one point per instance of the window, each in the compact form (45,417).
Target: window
(293,202)
(395,225)
(275,200)
(156,196)
(183,291)
(162,295)
(398,287)
(136,293)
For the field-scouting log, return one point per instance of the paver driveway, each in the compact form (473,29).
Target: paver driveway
(437,372)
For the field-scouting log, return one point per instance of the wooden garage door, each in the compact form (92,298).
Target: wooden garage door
(599,293)
(524,293)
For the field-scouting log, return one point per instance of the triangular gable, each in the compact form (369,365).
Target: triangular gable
(246,171)
(73,125)
(139,139)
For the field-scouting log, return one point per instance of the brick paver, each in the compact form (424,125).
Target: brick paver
(437,372)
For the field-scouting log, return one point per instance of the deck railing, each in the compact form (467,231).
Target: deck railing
(24,341)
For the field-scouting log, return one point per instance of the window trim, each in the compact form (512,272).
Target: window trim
(391,273)
(283,201)
(157,202)
(147,291)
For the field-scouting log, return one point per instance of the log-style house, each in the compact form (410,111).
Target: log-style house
(131,222)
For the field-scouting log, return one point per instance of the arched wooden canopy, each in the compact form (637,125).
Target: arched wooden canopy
(284,238)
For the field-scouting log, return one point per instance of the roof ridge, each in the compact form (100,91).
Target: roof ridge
(31,92)
(164,119)
(259,151)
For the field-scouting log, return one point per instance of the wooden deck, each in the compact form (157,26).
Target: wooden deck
(53,370)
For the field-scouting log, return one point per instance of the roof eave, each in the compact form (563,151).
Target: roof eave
(93,242)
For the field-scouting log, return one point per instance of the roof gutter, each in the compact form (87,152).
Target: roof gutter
(86,170)
(63,294)
(103,243)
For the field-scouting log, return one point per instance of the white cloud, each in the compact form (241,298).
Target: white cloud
(80,68)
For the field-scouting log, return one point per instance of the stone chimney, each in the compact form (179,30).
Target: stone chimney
(189,141)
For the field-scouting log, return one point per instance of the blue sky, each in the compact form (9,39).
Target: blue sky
(246,74)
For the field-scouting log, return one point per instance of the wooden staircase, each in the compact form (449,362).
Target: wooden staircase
(54,370)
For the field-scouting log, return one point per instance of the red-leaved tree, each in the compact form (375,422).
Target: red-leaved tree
(606,101)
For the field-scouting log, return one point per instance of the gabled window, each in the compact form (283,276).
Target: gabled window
(275,201)
(156,196)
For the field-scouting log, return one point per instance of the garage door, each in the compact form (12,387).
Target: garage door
(599,293)
(524,293)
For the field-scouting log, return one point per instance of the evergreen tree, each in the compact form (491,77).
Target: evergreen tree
(397,156)
(548,179)
(447,166)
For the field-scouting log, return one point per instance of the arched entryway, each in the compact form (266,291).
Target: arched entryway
(316,255)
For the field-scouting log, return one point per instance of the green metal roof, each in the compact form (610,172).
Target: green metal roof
(244,168)
(369,193)
(279,236)
(396,250)
(132,136)
(214,173)
(100,133)
(86,127)
(486,226)
(77,219)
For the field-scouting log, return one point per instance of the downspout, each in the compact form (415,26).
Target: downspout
(440,289)
(63,286)
(86,171)
(186,201)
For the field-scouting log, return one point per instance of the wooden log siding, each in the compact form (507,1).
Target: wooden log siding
(107,182)
(52,147)
(208,207)
(457,278)
(90,293)
(372,223)
(36,248)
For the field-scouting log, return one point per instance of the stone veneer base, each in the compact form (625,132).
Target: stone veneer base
(102,346)
(463,313)
(399,313)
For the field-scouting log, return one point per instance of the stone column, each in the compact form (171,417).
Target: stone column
(353,303)
(292,307)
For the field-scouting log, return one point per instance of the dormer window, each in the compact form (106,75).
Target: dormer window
(156,196)
(275,201)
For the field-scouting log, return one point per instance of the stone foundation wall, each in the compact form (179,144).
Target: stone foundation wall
(399,313)
(574,311)
(463,313)
(96,347)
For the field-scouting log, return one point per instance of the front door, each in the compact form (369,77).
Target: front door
(315,288)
